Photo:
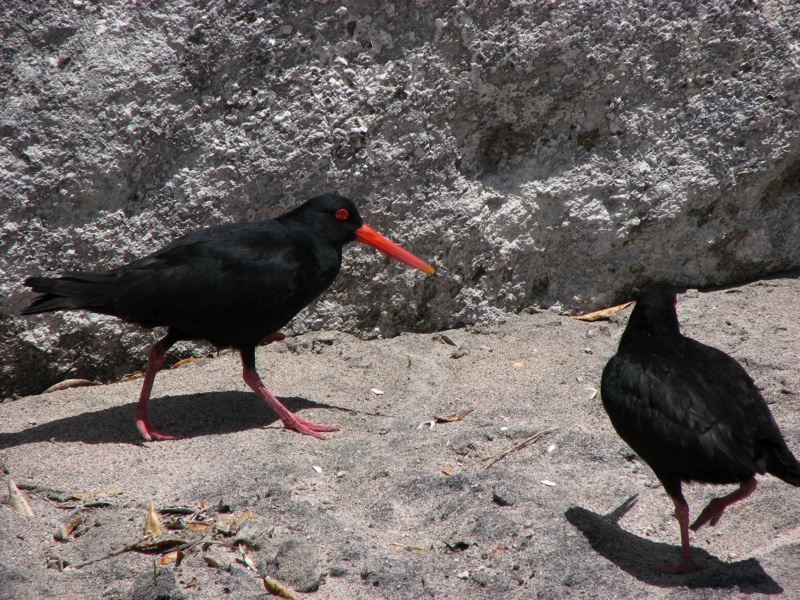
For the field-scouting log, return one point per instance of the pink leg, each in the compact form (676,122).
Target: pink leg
(712,513)
(289,419)
(147,429)
(687,563)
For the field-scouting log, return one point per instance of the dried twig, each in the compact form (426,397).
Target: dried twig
(68,383)
(529,440)
(453,418)
(140,544)
(601,315)
(117,552)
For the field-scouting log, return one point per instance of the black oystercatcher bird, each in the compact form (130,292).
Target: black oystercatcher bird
(691,412)
(233,285)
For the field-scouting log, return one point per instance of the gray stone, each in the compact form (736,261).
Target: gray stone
(538,154)
(255,532)
(296,565)
(159,586)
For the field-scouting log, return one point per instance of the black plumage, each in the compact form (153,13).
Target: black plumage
(691,412)
(233,285)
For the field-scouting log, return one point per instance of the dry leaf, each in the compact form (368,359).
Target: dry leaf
(64,533)
(168,557)
(153,523)
(214,562)
(194,526)
(68,383)
(17,501)
(455,417)
(248,562)
(246,515)
(97,504)
(182,362)
(132,376)
(276,588)
(447,472)
(176,523)
(600,315)
(177,510)
(151,544)
(82,495)
(224,524)
(407,548)
(230,524)
(448,340)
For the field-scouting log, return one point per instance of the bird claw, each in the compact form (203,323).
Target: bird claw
(711,514)
(151,433)
(311,428)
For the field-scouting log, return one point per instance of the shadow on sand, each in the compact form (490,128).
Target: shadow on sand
(636,556)
(189,415)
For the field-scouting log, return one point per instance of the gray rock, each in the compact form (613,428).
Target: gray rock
(296,565)
(238,580)
(161,586)
(537,155)
(503,496)
(255,532)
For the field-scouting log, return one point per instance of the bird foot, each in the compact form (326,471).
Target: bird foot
(306,427)
(150,432)
(685,566)
(711,514)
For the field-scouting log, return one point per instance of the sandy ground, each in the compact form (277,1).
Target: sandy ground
(392,506)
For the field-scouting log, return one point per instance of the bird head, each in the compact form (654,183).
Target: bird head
(335,219)
(654,313)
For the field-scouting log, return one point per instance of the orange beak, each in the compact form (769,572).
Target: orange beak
(367,235)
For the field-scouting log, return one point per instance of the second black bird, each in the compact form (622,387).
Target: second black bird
(691,412)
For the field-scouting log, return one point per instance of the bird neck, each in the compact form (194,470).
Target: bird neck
(646,324)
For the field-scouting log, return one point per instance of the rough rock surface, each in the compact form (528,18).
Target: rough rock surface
(537,154)
(391,507)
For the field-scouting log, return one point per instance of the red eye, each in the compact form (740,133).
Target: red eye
(342,214)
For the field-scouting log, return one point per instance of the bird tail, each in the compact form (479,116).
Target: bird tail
(92,291)
(782,464)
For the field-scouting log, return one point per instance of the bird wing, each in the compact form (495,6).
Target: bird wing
(221,282)
(687,408)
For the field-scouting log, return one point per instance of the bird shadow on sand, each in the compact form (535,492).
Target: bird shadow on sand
(188,415)
(636,556)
